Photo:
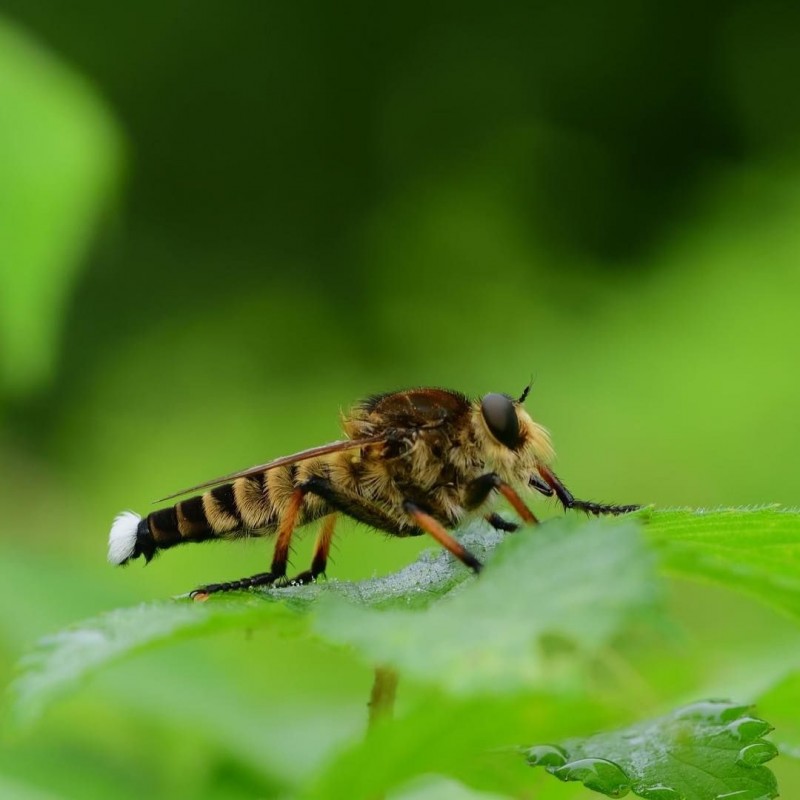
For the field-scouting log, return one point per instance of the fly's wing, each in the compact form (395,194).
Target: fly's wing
(303,455)
(395,414)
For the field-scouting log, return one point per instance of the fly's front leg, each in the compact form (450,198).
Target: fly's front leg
(480,488)
(568,501)
(537,483)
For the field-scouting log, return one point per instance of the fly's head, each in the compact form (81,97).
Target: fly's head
(512,443)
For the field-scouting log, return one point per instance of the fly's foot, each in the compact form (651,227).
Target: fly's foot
(262,579)
(302,579)
(500,524)
(601,508)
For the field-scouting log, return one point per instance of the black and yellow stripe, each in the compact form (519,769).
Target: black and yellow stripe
(249,506)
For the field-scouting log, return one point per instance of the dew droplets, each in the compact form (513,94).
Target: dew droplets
(661,759)
(546,755)
(713,711)
(756,754)
(745,794)
(748,728)
(659,792)
(595,773)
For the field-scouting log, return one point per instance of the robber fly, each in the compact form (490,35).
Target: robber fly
(413,462)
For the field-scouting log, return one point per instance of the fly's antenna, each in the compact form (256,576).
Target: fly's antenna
(526,391)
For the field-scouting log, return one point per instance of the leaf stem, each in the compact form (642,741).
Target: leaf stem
(381,700)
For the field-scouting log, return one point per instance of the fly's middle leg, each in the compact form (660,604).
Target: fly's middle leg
(480,488)
(319,560)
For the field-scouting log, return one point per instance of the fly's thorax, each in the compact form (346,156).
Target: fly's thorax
(363,473)
(429,461)
(420,470)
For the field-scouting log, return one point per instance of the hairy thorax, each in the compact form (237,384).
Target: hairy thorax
(434,460)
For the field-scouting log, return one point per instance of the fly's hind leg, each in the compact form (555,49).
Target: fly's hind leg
(321,549)
(261,579)
(346,502)
(569,502)
(280,557)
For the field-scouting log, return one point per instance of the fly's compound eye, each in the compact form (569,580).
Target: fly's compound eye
(501,418)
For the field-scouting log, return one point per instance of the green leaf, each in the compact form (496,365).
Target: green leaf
(59,160)
(9,787)
(470,739)
(782,705)
(547,594)
(567,587)
(442,789)
(753,550)
(66,658)
(706,751)
(63,660)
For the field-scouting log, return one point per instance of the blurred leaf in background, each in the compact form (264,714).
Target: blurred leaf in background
(321,202)
(60,158)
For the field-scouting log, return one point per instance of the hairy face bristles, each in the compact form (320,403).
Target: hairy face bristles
(122,538)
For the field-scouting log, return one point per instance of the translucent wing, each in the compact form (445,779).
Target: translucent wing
(303,455)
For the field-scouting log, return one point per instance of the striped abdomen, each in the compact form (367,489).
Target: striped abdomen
(249,506)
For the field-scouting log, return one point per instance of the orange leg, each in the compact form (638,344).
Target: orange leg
(480,488)
(436,529)
(280,558)
(519,506)
(286,528)
(321,549)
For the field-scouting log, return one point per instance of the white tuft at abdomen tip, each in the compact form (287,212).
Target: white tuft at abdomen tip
(122,538)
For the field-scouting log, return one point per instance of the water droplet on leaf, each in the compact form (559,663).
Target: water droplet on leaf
(595,773)
(745,794)
(546,755)
(756,754)
(659,792)
(748,728)
(713,711)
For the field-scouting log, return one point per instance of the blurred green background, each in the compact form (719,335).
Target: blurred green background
(221,223)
